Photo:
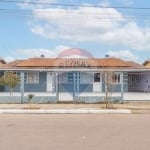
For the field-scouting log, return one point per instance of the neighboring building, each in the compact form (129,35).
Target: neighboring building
(2,62)
(147,63)
(74,79)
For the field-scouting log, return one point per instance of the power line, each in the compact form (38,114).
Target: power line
(74,5)
(58,15)
(82,15)
(97,15)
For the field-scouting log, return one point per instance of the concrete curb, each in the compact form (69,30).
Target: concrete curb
(65,111)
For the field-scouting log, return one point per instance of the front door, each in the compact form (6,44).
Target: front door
(50,82)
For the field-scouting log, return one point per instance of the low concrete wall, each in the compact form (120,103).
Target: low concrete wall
(10,99)
(136,96)
(82,98)
(36,99)
(95,99)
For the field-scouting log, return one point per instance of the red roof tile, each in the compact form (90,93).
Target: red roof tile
(13,63)
(74,62)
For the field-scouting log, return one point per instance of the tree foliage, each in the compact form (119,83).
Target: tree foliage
(30,97)
(10,79)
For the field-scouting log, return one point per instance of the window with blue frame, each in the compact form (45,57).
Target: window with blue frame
(71,77)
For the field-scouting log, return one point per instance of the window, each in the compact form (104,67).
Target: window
(96,77)
(32,78)
(71,77)
(116,78)
(77,77)
(132,79)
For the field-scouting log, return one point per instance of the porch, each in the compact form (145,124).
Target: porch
(78,86)
(45,97)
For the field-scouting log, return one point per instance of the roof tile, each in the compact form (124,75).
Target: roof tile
(74,62)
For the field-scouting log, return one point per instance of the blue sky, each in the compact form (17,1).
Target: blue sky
(32,30)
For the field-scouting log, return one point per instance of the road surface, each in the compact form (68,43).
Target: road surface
(75,132)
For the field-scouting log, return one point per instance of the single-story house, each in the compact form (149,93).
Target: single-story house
(54,80)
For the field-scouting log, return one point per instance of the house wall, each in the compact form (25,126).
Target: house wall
(85,88)
(70,87)
(140,82)
(85,84)
(66,87)
(117,87)
(147,65)
(144,83)
(40,87)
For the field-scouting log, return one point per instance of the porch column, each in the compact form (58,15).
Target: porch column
(22,86)
(74,84)
(122,84)
(78,81)
(57,85)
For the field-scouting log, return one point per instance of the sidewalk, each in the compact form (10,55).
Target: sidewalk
(65,111)
(50,106)
(134,107)
(59,109)
(130,107)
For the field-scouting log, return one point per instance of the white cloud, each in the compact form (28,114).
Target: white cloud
(9,59)
(90,24)
(129,35)
(124,54)
(31,53)
(83,24)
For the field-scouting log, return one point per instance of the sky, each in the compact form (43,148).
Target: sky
(119,30)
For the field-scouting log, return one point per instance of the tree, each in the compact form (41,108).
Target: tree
(10,79)
(108,80)
(1,81)
(30,97)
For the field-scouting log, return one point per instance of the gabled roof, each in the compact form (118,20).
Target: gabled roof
(147,63)
(13,63)
(72,62)
(132,63)
(2,62)
(117,62)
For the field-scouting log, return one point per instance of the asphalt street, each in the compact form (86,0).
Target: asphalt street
(74,131)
